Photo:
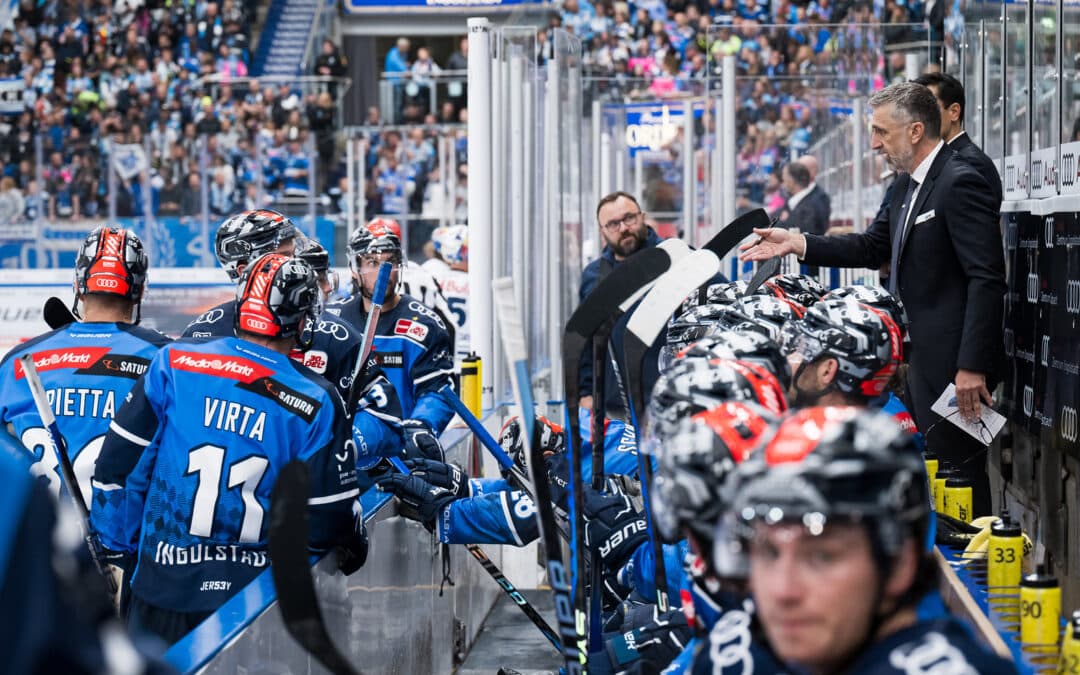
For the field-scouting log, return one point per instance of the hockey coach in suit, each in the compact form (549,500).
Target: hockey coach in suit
(941,236)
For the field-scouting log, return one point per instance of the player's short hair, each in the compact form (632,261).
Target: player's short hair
(913,102)
(948,88)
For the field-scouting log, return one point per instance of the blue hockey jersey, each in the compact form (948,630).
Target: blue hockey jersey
(498,514)
(87,369)
(889,403)
(335,345)
(414,350)
(193,455)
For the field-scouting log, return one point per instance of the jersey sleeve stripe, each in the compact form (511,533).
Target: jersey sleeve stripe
(330,499)
(433,374)
(105,487)
(127,435)
(504,500)
(383,416)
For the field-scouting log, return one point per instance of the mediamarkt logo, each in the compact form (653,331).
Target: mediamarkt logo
(79,357)
(222,366)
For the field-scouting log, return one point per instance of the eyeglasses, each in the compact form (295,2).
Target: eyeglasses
(628,220)
(985,435)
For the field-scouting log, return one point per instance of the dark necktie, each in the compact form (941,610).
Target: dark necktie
(898,236)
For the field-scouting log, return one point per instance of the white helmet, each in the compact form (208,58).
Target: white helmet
(452,243)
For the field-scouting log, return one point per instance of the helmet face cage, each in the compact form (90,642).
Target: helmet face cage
(801,288)
(111,261)
(276,296)
(381,235)
(744,345)
(864,342)
(248,235)
(830,465)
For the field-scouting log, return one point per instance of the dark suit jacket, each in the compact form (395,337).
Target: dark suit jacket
(951,267)
(963,146)
(811,214)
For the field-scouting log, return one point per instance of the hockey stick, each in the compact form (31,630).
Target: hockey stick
(571,627)
(377,298)
(765,271)
(56,313)
(290,567)
(600,357)
(59,448)
(495,573)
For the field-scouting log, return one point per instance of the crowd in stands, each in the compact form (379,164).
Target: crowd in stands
(101,77)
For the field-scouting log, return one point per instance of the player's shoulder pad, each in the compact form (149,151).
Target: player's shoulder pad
(417,322)
(319,381)
(149,335)
(23,347)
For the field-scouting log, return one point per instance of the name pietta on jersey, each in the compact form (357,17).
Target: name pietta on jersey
(86,401)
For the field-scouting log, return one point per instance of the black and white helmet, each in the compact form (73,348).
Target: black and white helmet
(864,341)
(803,289)
(714,294)
(693,461)
(248,235)
(695,385)
(825,465)
(876,297)
(704,321)
(744,345)
(770,312)
(276,296)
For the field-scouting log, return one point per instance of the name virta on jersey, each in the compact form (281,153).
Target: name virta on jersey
(234,417)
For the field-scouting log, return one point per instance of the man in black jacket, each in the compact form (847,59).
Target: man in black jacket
(950,95)
(806,208)
(941,236)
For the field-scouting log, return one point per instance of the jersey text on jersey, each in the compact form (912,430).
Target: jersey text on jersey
(285,396)
(413,330)
(219,366)
(71,357)
(117,365)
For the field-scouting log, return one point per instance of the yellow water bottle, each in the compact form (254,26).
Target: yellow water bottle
(958,498)
(471,371)
(1040,613)
(1070,647)
(931,460)
(1004,561)
(943,473)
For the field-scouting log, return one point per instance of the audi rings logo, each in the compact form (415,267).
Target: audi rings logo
(1029,400)
(1045,358)
(1072,297)
(257,324)
(106,283)
(1010,342)
(1048,231)
(211,316)
(1032,287)
(1069,424)
(338,331)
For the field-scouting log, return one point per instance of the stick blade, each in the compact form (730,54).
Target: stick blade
(765,271)
(56,313)
(291,570)
(734,232)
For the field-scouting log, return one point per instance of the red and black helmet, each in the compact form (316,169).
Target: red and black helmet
(864,341)
(803,289)
(111,261)
(380,235)
(275,296)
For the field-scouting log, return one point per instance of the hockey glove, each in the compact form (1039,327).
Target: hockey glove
(421,442)
(649,640)
(420,500)
(447,476)
(613,527)
(352,555)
